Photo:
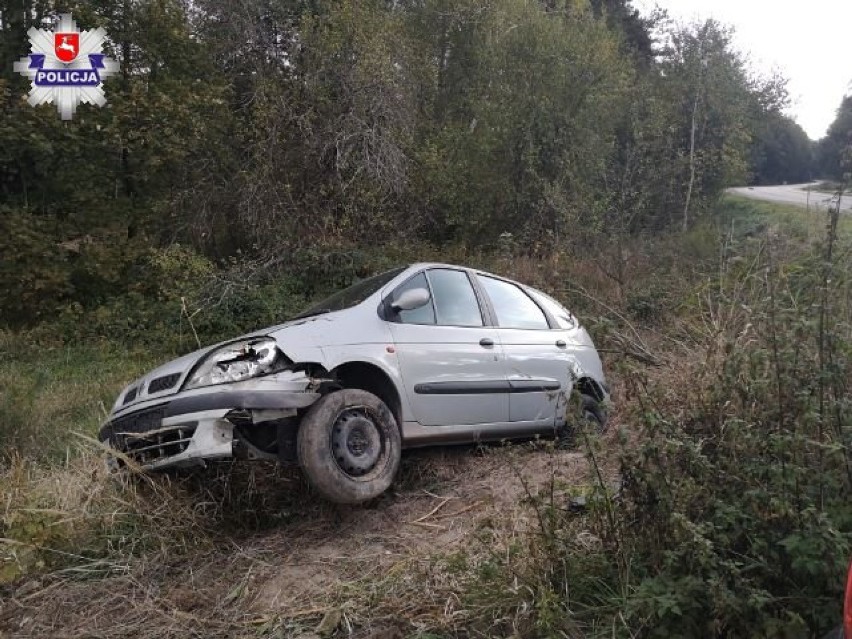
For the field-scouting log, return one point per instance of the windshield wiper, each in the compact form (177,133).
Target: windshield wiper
(306,314)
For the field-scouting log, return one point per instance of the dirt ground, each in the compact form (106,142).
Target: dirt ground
(377,570)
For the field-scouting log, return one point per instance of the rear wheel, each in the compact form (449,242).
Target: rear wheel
(594,412)
(349,446)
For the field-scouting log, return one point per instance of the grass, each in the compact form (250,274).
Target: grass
(247,550)
(747,217)
(47,393)
(826,187)
(146,558)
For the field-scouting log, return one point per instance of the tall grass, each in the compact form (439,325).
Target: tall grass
(49,391)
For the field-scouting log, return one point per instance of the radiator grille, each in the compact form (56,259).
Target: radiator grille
(130,395)
(160,384)
(141,422)
(162,444)
(142,437)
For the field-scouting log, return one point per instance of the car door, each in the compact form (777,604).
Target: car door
(450,360)
(537,362)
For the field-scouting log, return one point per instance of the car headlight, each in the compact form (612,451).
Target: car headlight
(236,362)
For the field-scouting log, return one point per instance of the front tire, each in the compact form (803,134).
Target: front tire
(349,446)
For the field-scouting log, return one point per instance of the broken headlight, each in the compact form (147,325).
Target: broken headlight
(237,362)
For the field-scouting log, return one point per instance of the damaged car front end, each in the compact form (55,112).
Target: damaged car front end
(231,401)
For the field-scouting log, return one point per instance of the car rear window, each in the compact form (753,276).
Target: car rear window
(513,307)
(563,317)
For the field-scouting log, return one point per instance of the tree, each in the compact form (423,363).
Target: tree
(782,152)
(525,104)
(276,129)
(716,104)
(834,159)
(104,183)
(634,30)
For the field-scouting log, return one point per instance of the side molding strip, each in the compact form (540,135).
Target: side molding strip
(487,387)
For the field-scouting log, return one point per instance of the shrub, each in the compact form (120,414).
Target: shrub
(733,518)
(742,493)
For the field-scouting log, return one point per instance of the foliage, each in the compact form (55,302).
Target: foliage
(262,131)
(743,496)
(782,152)
(835,149)
(732,517)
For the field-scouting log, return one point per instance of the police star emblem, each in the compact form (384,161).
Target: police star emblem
(66,67)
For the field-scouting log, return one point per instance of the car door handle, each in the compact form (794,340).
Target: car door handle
(486,342)
(561,343)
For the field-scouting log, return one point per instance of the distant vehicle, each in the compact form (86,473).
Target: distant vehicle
(844,630)
(428,354)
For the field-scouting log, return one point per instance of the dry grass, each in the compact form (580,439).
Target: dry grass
(178,565)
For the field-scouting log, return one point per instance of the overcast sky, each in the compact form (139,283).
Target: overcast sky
(810,43)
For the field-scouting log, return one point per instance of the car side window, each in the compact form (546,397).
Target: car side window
(423,315)
(455,301)
(563,317)
(513,307)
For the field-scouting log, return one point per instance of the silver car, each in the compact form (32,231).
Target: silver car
(422,355)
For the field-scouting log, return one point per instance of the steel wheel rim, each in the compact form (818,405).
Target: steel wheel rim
(357,443)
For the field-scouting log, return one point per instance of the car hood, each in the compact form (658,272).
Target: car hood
(300,340)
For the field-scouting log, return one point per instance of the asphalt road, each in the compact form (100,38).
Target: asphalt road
(796,194)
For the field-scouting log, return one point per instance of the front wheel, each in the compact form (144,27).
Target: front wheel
(349,446)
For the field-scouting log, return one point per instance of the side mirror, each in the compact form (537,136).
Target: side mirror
(411,299)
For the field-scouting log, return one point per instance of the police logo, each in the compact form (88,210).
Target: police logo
(67,67)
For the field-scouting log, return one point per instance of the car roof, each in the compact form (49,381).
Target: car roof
(424,265)
(436,265)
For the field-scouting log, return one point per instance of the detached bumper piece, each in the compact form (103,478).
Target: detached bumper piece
(190,430)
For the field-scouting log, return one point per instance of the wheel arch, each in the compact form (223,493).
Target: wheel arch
(373,379)
(593,388)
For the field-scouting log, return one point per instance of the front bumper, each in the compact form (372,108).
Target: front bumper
(188,430)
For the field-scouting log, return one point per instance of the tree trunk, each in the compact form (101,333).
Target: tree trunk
(692,140)
(691,165)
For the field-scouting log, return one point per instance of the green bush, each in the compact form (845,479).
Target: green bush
(733,518)
(742,494)
(34,276)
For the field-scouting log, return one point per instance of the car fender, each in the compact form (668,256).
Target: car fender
(382,356)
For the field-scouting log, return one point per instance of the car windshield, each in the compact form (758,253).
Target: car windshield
(351,296)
